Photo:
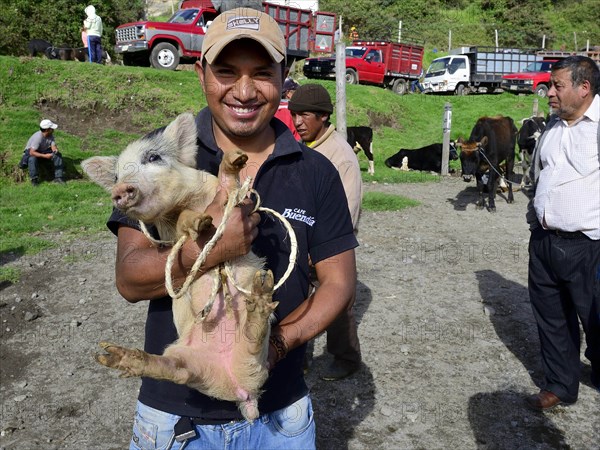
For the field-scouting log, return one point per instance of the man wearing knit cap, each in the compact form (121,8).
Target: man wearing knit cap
(241,73)
(311,109)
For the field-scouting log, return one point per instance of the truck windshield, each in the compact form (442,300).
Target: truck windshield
(355,52)
(438,66)
(539,66)
(184,16)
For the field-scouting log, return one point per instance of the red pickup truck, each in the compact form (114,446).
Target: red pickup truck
(534,78)
(388,64)
(165,44)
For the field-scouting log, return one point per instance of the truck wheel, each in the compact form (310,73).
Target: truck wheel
(164,56)
(351,76)
(460,90)
(399,86)
(542,90)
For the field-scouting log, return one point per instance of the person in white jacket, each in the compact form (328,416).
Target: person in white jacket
(93,27)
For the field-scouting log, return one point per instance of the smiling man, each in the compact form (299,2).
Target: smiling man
(241,74)
(564,248)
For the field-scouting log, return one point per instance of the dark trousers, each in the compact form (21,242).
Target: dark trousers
(56,161)
(564,285)
(95,49)
(342,336)
(342,333)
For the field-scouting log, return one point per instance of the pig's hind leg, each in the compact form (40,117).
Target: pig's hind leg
(259,306)
(138,363)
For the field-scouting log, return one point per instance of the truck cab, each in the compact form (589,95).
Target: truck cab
(164,44)
(363,60)
(535,78)
(448,74)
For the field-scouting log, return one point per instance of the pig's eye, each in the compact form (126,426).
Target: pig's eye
(154,157)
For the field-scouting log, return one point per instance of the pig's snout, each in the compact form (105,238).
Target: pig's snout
(124,195)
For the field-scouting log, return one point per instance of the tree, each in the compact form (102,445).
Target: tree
(59,22)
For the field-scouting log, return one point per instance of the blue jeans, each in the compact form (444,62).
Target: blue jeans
(291,428)
(57,163)
(95,49)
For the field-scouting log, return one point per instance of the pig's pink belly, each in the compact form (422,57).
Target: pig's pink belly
(220,342)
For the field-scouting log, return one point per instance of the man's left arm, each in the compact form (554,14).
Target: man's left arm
(337,278)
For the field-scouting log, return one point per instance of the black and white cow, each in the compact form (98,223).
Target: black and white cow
(530,131)
(492,141)
(427,158)
(361,138)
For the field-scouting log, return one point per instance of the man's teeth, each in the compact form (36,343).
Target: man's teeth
(239,110)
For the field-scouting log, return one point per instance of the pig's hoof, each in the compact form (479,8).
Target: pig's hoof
(130,361)
(236,161)
(191,223)
(262,294)
(263,282)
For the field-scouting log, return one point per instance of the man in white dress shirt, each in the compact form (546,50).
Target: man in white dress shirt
(564,218)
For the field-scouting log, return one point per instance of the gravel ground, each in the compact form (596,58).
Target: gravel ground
(450,347)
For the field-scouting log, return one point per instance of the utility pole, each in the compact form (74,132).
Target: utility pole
(447,127)
(340,83)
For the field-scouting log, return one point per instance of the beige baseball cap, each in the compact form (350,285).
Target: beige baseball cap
(243,23)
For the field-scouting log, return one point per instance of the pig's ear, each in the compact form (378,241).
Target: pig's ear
(182,131)
(101,170)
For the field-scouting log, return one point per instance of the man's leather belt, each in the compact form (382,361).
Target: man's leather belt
(568,234)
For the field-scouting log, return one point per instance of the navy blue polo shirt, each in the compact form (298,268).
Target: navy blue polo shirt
(303,186)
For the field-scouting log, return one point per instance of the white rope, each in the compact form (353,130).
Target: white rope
(291,259)
(201,259)
(232,201)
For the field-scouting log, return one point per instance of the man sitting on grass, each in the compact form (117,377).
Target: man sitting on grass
(41,146)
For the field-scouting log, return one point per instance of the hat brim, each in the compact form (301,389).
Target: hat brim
(214,51)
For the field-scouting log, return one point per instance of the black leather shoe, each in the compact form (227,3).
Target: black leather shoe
(544,401)
(339,369)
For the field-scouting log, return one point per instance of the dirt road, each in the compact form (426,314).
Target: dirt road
(449,343)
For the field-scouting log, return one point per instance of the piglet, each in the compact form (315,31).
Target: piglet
(154,180)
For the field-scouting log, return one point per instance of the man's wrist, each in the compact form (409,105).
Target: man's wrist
(278,342)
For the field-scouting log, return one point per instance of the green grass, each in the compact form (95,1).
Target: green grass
(378,201)
(100,109)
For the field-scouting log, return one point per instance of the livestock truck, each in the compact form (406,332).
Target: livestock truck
(474,69)
(164,45)
(387,64)
(535,78)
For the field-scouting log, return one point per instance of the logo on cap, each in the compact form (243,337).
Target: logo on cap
(248,23)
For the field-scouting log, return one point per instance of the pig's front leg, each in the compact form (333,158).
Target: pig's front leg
(229,170)
(191,223)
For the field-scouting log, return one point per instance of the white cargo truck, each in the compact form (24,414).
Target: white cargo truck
(474,69)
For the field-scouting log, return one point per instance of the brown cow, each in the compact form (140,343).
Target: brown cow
(492,141)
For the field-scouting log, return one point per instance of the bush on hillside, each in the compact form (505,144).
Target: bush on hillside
(59,22)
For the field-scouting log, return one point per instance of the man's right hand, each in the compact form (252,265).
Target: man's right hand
(240,231)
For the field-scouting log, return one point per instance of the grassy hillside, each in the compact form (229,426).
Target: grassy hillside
(100,109)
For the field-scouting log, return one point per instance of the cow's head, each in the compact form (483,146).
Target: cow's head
(470,156)
(395,161)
